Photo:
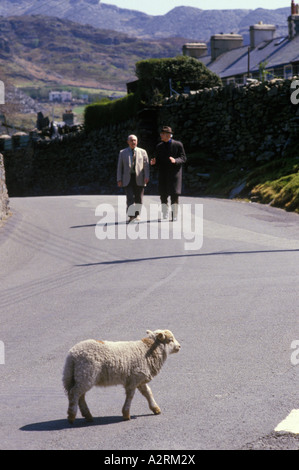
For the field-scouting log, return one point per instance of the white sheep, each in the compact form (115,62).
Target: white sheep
(129,363)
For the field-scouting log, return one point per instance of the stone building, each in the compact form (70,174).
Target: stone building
(235,62)
(60,96)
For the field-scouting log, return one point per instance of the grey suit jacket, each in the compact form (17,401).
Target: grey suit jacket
(124,166)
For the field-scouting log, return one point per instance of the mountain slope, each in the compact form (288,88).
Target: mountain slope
(47,50)
(200,24)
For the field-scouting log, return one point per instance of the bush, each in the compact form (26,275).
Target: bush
(153,86)
(154,76)
(103,114)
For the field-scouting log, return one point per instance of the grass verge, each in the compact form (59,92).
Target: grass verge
(275,183)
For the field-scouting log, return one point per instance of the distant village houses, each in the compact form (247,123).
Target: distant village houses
(60,96)
(267,56)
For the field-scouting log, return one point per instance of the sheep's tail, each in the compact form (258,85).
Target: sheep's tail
(68,379)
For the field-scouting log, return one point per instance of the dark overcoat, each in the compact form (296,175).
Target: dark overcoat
(170,174)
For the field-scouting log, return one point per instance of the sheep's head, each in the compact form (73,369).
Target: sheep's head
(166,337)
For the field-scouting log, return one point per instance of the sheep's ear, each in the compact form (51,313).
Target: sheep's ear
(150,333)
(160,336)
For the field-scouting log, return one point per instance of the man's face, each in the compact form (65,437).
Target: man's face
(165,136)
(132,141)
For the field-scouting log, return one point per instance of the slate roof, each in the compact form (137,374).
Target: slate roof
(276,52)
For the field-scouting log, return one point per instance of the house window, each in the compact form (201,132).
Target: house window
(279,72)
(270,74)
(288,71)
(255,75)
(240,80)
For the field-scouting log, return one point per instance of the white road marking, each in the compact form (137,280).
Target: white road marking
(290,424)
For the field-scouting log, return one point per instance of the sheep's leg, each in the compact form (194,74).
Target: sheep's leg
(148,394)
(73,404)
(129,397)
(75,395)
(84,409)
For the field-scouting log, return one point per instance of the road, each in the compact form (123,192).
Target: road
(71,271)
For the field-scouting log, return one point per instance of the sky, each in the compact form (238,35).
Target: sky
(160,7)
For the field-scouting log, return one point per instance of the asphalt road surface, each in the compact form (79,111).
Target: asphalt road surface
(225,284)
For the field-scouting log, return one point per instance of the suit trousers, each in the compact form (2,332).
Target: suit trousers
(134,194)
(174,199)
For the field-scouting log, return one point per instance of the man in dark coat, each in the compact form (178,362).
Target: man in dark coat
(170,156)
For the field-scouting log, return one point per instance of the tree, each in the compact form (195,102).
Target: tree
(153,86)
(154,77)
(263,71)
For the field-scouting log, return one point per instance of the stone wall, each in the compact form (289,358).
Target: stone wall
(73,164)
(253,122)
(237,125)
(4,201)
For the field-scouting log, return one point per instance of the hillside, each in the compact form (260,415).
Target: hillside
(87,43)
(41,50)
(199,23)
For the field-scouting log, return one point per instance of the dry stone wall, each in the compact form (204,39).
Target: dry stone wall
(75,164)
(242,125)
(255,121)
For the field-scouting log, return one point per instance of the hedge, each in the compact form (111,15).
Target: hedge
(154,76)
(98,115)
(153,86)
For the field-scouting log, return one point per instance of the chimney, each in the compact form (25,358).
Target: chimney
(293,21)
(294,8)
(196,49)
(261,32)
(221,43)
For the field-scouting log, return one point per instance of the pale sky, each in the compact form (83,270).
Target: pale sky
(160,7)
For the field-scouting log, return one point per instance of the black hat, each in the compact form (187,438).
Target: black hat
(166,129)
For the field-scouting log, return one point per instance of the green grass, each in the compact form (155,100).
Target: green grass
(275,183)
(282,192)
(79,111)
(41,92)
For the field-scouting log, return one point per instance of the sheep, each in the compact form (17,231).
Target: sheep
(103,363)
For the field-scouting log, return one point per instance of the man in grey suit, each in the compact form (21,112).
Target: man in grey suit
(133,175)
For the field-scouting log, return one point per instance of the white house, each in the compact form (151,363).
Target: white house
(60,96)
